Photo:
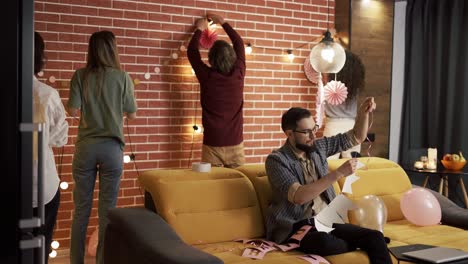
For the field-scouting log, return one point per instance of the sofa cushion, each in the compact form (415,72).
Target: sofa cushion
(257,174)
(441,235)
(383,178)
(205,207)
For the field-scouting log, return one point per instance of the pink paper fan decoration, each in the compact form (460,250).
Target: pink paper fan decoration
(335,92)
(208,38)
(310,73)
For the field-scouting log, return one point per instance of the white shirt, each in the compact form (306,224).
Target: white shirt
(48,109)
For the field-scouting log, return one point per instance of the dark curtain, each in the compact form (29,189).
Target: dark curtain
(435,106)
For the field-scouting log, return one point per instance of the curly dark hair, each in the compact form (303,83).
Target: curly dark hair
(38,52)
(352,75)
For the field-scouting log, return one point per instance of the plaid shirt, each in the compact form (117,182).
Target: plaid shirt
(284,168)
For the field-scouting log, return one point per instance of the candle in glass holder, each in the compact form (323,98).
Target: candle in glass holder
(424,161)
(431,165)
(432,158)
(419,165)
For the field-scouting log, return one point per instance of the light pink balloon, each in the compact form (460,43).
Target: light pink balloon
(420,207)
(93,243)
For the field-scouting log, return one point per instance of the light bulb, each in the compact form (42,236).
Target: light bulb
(64,185)
(290,55)
(248,49)
(211,24)
(197,129)
(126,159)
(328,53)
(53,254)
(327,56)
(55,244)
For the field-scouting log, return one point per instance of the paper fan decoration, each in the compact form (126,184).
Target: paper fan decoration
(310,73)
(320,102)
(208,37)
(335,92)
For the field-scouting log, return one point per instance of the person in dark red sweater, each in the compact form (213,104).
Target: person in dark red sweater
(221,94)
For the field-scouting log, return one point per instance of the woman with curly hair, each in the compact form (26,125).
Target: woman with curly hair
(340,118)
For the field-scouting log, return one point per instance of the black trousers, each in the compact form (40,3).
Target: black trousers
(345,238)
(51,210)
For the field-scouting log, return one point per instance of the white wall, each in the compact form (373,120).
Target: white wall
(398,76)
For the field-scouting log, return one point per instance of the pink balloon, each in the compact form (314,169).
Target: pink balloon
(93,243)
(420,207)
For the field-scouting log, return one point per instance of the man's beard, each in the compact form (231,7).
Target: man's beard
(306,148)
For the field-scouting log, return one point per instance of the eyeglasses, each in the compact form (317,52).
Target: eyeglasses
(308,132)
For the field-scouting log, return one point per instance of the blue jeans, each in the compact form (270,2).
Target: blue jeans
(104,157)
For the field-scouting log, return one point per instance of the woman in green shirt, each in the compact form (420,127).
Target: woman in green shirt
(101,94)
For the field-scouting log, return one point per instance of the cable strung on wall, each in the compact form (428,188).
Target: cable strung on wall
(132,156)
(197,129)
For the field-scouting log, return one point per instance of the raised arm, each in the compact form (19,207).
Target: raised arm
(361,124)
(236,39)
(193,52)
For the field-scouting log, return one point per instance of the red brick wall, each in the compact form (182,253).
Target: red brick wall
(148,33)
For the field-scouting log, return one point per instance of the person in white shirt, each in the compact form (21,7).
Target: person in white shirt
(48,109)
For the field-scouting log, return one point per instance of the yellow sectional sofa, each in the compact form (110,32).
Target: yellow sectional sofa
(199,215)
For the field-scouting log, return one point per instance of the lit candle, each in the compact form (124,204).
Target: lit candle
(419,165)
(432,158)
(431,165)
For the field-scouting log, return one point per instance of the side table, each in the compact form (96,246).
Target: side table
(443,174)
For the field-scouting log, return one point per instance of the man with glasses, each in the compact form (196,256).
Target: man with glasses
(302,186)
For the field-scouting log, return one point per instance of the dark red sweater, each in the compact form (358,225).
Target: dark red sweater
(221,96)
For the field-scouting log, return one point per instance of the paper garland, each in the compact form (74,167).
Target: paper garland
(319,106)
(310,73)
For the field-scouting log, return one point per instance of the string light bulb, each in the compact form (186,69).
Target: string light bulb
(53,254)
(248,49)
(128,158)
(197,129)
(55,244)
(211,24)
(290,55)
(64,185)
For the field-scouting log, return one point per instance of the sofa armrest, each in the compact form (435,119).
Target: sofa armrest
(137,235)
(452,214)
